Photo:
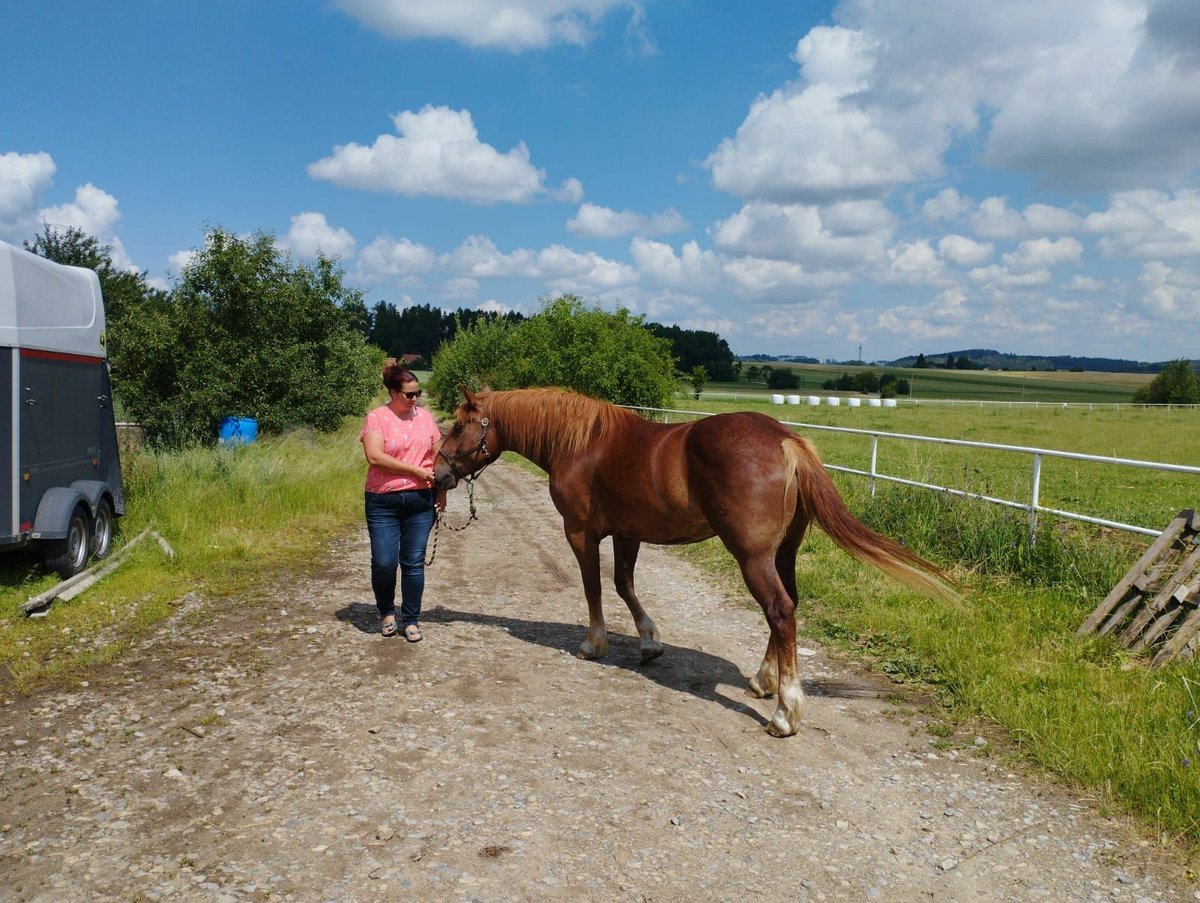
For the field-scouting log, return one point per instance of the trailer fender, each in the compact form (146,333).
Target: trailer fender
(92,490)
(53,518)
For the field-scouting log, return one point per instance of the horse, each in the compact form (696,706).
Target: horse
(743,477)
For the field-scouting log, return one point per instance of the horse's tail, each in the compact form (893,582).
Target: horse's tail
(819,499)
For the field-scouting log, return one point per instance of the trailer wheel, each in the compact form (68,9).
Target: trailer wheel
(69,555)
(103,527)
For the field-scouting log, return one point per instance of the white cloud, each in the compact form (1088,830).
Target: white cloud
(994,219)
(852,232)
(813,140)
(393,260)
(913,262)
(437,153)
(692,269)
(513,25)
(311,234)
(24,178)
(959,249)
(947,204)
(561,268)
(1081,283)
(93,211)
(1172,295)
(1042,253)
(181,260)
(570,192)
(595,221)
(460,288)
(1149,225)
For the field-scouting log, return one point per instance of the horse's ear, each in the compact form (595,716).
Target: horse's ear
(462,387)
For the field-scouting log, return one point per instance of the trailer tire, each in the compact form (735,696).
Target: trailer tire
(69,555)
(103,528)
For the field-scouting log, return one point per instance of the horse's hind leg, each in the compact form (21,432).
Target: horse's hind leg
(587,552)
(766,682)
(625,553)
(768,589)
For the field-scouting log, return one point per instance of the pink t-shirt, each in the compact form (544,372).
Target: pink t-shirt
(411,441)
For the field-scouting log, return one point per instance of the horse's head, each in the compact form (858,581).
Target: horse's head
(465,448)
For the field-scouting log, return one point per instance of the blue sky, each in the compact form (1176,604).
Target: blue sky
(802,178)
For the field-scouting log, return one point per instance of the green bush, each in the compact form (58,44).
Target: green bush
(247,333)
(612,356)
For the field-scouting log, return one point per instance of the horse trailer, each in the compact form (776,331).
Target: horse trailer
(60,469)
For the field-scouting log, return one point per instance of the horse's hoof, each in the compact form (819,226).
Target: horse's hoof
(650,653)
(777,730)
(757,691)
(588,652)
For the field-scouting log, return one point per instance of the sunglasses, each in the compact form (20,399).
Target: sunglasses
(411,395)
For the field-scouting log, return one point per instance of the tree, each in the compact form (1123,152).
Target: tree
(695,347)
(1177,383)
(698,378)
(921,363)
(611,356)
(783,378)
(248,333)
(134,311)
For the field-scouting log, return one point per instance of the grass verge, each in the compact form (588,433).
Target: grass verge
(235,517)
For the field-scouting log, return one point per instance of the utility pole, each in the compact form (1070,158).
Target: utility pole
(860,357)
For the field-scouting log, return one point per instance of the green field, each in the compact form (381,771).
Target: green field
(977,385)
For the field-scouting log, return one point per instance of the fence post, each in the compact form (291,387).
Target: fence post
(1037,488)
(874,453)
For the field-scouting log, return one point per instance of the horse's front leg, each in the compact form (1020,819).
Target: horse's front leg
(587,552)
(625,553)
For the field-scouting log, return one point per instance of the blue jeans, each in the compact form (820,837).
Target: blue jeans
(399,524)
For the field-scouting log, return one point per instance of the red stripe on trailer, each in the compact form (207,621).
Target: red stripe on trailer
(61,356)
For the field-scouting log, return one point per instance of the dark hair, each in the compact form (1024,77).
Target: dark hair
(396,374)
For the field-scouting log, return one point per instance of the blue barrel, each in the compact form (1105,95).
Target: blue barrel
(237,430)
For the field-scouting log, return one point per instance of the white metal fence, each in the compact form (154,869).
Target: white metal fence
(1033,506)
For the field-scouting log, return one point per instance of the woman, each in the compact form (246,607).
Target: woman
(401,441)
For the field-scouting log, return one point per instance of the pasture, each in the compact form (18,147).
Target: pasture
(979,385)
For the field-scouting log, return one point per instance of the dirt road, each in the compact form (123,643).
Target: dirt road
(285,751)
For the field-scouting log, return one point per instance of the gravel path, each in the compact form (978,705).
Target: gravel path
(263,756)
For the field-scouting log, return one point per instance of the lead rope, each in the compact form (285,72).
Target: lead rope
(441,518)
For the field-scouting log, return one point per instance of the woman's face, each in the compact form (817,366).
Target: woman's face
(402,398)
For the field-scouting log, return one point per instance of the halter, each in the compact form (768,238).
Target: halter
(459,477)
(452,460)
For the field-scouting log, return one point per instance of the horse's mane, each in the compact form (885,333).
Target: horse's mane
(545,423)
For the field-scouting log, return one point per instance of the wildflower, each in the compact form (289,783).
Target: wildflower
(1186,762)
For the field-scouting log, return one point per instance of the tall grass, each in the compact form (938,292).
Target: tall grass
(236,517)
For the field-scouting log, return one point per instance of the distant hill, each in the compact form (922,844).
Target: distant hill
(995,360)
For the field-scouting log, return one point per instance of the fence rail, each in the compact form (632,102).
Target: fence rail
(1033,506)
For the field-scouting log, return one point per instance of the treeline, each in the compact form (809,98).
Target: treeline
(421,329)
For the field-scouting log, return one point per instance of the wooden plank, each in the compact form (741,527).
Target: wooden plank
(1158,628)
(1159,545)
(1176,644)
(1164,595)
(83,579)
(1118,617)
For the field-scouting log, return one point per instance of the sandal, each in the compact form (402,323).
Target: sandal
(412,633)
(388,628)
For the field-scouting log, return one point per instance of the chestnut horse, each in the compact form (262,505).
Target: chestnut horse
(743,477)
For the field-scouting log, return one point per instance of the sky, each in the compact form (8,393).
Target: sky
(801,178)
